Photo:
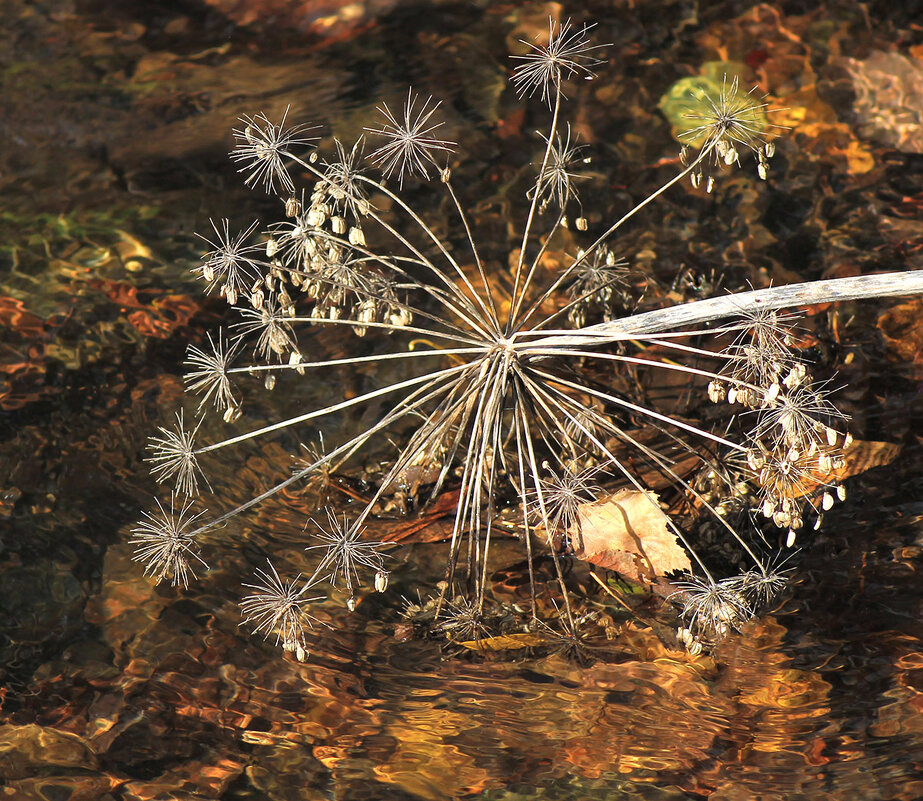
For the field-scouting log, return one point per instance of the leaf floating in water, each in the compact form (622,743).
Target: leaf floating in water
(862,455)
(505,642)
(629,533)
(901,327)
(859,456)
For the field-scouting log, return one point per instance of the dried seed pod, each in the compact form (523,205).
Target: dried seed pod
(755,459)
(294,359)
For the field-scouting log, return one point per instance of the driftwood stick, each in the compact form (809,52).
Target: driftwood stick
(882,285)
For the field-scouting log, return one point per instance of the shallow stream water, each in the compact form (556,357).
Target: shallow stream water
(115,120)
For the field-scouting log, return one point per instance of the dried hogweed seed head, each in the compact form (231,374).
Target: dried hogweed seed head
(712,608)
(174,455)
(344,185)
(410,146)
(345,552)
(263,148)
(560,496)
(567,53)
(165,542)
(795,417)
(596,281)
(211,378)
(732,120)
(555,182)
(490,398)
(231,263)
(275,334)
(281,608)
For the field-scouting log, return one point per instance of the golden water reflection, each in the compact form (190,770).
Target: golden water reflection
(195,708)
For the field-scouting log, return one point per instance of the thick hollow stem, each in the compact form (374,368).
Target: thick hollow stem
(882,285)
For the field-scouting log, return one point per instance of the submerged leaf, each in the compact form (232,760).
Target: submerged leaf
(505,642)
(628,532)
(901,327)
(861,455)
(864,455)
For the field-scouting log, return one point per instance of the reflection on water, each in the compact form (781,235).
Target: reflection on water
(797,706)
(115,127)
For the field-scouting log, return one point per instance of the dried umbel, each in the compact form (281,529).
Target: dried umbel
(793,449)
(281,607)
(165,542)
(493,395)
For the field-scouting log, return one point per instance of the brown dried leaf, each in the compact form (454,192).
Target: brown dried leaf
(504,642)
(863,455)
(902,329)
(433,525)
(628,532)
(860,456)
